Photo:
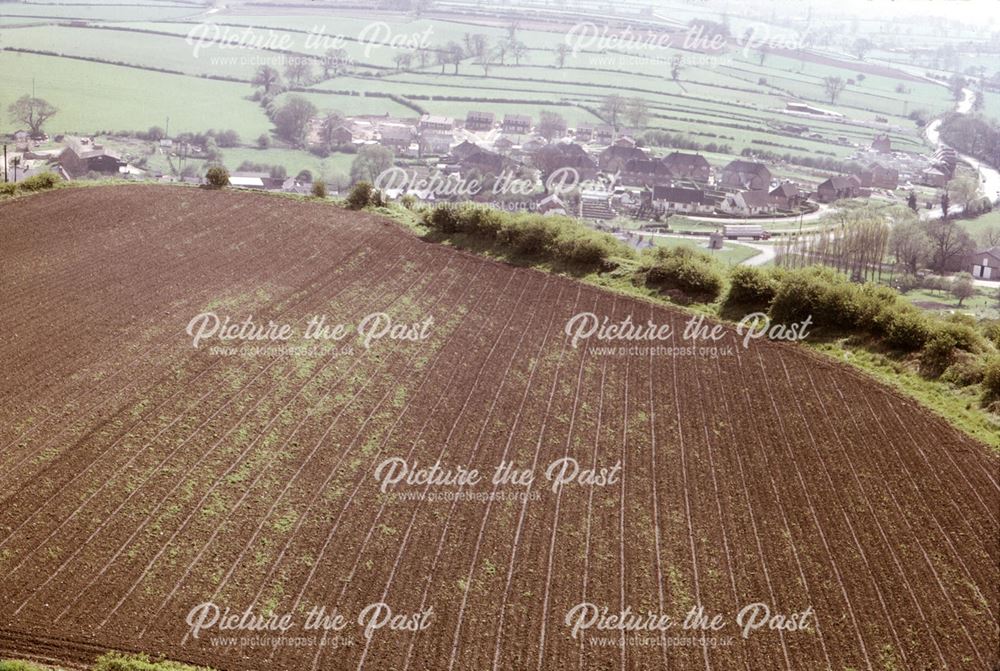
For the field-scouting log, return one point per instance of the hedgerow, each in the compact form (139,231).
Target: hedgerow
(693,273)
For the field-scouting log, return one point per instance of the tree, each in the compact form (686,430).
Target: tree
(945,204)
(267,78)
(228,138)
(217,177)
(676,64)
(636,112)
(371,161)
(911,201)
(298,71)
(562,52)
(519,50)
(292,119)
(612,107)
(963,189)
(861,46)
(910,245)
(32,112)
(264,141)
(949,242)
(833,86)
(551,125)
(319,189)
(485,60)
(957,86)
(453,55)
(333,61)
(963,287)
(155,134)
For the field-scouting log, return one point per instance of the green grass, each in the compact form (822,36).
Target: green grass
(976,227)
(960,407)
(92,97)
(731,254)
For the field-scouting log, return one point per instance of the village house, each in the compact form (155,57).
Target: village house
(882,144)
(614,159)
(933,177)
(82,156)
(839,187)
(603,134)
(787,196)
(584,132)
(341,136)
(946,160)
(681,199)
(693,167)
(551,205)
(565,155)
(878,176)
(485,162)
(517,124)
(748,203)
(986,264)
(746,175)
(436,124)
(397,138)
(646,172)
(504,145)
(479,121)
(434,144)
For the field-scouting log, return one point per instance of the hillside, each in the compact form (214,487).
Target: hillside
(141,476)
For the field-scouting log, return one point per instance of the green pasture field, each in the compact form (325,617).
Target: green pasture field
(92,97)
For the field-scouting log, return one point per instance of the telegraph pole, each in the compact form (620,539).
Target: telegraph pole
(5,162)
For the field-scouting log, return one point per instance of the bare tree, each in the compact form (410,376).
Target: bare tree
(833,86)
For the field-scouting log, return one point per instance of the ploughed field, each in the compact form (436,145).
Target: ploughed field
(141,476)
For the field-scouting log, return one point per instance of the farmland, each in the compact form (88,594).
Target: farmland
(735,98)
(141,476)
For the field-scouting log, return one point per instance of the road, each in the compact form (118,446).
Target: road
(812,216)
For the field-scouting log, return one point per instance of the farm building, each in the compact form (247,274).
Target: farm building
(397,138)
(746,175)
(81,156)
(434,144)
(692,167)
(341,136)
(986,264)
(478,120)
(517,124)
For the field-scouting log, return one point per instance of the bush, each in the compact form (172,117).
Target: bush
(938,353)
(19,665)
(8,189)
(751,288)
(991,379)
(693,273)
(39,182)
(904,328)
(966,371)
(363,195)
(554,239)
(319,189)
(217,177)
(115,661)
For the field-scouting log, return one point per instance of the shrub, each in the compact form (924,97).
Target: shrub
(319,189)
(992,333)
(904,328)
(19,665)
(751,288)
(115,661)
(683,269)
(39,182)
(966,371)
(363,195)
(991,379)
(8,189)
(938,353)
(217,177)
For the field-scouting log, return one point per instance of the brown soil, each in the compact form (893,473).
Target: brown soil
(140,477)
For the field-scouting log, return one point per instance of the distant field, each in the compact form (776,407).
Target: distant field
(92,97)
(722,101)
